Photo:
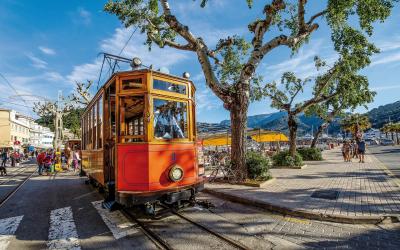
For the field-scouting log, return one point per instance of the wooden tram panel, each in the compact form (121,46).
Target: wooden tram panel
(138,164)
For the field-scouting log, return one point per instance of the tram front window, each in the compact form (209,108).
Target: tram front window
(170,119)
(131,111)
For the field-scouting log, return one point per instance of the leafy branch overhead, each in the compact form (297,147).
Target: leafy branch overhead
(230,66)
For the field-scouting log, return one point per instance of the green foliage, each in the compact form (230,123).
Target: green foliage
(285,159)
(310,154)
(257,166)
(355,123)
(71,121)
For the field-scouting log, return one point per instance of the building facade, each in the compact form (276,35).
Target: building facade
(18,131)
(15,131)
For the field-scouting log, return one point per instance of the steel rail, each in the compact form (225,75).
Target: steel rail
(230,241)
(9,195)
(14,173)
(155,238)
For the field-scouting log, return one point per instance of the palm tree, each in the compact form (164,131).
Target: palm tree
(355,123)
(393,128)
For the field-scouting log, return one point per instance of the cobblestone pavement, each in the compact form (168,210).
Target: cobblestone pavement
(364,189)
(286,232)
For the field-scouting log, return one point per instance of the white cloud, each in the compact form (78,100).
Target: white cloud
(386,87)
(85,15)
(87,71)
(47,51)
(157,57)
(37,62)
(384,59)
(82,16)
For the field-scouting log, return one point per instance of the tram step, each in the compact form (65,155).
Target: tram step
(110,205)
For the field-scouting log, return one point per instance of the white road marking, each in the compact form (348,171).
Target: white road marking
(118,224)
(8,227)
(62,232)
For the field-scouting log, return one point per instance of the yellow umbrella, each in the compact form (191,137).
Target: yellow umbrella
(269,137)
(222,140)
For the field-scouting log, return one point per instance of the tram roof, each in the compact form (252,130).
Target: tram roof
(146,71)
(143,71)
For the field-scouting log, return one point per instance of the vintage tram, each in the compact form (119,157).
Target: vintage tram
(139,139)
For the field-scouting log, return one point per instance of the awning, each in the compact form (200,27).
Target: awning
(269,137)
(222,140)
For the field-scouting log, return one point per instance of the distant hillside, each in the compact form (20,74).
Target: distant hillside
(382,114)
(278,121)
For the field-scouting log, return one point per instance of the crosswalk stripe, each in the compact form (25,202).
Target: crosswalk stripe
(118,224)
(62,231)
(8,227)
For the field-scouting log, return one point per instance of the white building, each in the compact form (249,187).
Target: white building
(46,141)
(372,133)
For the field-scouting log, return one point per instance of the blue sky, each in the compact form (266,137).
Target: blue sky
(47,45)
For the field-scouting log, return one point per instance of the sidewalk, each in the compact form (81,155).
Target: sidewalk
(366,194)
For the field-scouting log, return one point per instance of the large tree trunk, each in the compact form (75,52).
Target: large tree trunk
(397,137)
(238,115)
(318,134)
(292,124)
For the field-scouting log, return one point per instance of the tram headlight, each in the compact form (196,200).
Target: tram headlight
(175,173)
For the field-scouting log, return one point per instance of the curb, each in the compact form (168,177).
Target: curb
(289,167)
(386,170)
(303,213)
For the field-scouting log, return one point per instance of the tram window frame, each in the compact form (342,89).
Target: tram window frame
(136,87)
(187,137)
(172,83)
(83,132)
(124,135)
(91,127)
(100,110)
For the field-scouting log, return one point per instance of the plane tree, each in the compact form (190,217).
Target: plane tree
(230,67)
(337,107)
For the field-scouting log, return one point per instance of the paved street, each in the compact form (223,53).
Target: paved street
(389,156)
(61,212)
(361,190)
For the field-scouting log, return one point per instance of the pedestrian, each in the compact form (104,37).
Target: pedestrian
(361,149)
(76,159)
(12,156)
(48,161)
(40,161)
(69,155)
(346,151)
(4,158)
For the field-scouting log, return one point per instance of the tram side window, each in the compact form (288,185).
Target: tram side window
(170,119)
(94,123)
(90,131)
(100,123)
(168,86)
(131,115)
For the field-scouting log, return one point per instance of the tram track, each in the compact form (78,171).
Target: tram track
(8,195)
(163,244)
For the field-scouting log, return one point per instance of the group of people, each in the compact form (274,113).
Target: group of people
(353,149)
(13,156)
(46,159)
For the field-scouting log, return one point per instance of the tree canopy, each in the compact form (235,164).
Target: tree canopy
(230,67)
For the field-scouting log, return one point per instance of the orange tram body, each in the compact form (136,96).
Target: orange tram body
(139,139)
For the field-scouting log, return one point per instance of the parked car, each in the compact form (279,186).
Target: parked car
(371,142)
(387,142)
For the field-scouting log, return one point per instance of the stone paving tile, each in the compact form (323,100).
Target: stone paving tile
(365,189)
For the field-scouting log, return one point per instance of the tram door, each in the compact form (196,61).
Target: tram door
(109,133)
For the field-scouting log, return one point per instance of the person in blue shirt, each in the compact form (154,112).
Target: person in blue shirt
(361,149)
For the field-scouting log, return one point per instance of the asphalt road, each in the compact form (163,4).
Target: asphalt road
(56,212)
(388,155)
